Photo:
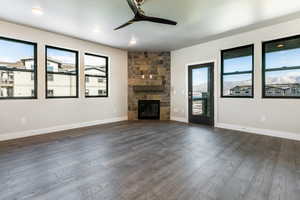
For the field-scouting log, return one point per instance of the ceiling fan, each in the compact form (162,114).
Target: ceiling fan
(139,15)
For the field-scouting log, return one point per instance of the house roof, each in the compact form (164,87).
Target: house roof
(279,86)
(58,62)
(283,86)
(13,65)
(94,68)
(242,86)
(25,59)
(20,65)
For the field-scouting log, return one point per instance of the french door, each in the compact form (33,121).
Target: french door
(201,93)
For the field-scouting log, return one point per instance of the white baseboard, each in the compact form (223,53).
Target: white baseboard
(179,119)
(28,133)
(268,132)
(259,131)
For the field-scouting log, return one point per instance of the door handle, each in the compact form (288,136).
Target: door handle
(190,95)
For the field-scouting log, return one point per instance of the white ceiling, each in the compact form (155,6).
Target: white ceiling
(198,20)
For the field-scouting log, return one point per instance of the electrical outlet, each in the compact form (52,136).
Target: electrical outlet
(23,120)
(263,118)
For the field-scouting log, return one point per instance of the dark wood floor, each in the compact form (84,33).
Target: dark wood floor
(150,161)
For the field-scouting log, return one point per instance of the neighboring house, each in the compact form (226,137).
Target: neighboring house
(57,66)
(19,84)
(271,90)
(27,63)
(283,89)
(200,103)
(99,71)
(60,84)
(6,82)
(95,86)
(244,90)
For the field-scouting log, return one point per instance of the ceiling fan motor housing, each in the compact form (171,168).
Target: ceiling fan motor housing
(139,2)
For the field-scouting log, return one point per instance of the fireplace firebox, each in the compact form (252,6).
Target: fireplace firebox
(149,109)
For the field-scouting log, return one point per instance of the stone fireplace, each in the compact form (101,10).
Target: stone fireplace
(149,79)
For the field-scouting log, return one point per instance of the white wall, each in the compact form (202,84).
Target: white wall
(26,117)
(275,116)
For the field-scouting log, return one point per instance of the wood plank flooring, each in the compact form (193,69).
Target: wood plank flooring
(150,161)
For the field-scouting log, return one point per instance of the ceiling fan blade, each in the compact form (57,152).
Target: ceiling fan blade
(133,6)
(158,20)
(124,25)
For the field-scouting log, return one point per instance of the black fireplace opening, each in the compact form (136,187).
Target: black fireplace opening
(149,109)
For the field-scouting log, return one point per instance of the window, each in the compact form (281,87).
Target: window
(96,75)
(237,72)
(62,73)
(281,68)
(18,69)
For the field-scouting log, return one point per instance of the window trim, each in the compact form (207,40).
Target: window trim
(98,76)
(237,72)
(264,70)
(24,70)
(68,74)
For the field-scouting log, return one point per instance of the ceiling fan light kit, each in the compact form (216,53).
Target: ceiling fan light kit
(139,15)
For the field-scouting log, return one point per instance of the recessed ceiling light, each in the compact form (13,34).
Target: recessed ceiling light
(280,45)
(132,41)
(37,11)
(96,30)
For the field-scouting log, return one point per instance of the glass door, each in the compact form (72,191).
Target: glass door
(201,99)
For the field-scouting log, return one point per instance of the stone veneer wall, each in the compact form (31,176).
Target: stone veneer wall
(156,64)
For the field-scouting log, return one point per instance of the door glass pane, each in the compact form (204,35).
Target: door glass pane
(200,91)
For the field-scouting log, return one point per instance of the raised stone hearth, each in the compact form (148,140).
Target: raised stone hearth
(149,79)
